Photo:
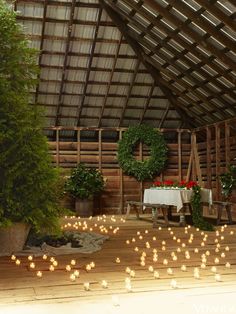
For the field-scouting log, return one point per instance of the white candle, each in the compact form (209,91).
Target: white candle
(13,257)
(127,270)
(68,268)
(72,277)
(227,265)
(104,284)
(44,257)
(183,268)
(51,268)
(32,265)
(86,286)
(30,257)
(173,284)
(76,273)
(132,273)
(217,277)
(39,274)
(55,263)
(117,260)
(73,262)
(169,271)
(150,268)
(165,262)
(17,262)
(156,274)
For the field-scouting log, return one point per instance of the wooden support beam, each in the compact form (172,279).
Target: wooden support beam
(100,150)
(218,160)
(121,179)
(78,146)
(70,25)
(147,102)
(57,147)
(131,84)
(164,116)
(208,153)
(196,160)
(180,155)
(81,104)
(227,144)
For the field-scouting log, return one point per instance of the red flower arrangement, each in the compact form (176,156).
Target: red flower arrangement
(170,183)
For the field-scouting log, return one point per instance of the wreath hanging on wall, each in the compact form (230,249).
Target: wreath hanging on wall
(142,170)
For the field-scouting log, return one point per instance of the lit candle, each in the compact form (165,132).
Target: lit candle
(203,266)
(227,265)
(150,268)
(156,274)
(163,248)
(68,268)
(213,269)
(32,265)
(104,284)
(217,260)
(44,257)
(92,264)
(226,248)
(196,250)
(51,268)
(39,274)
(222,255)
(117,260)
(13,257)
(73,262)
(142,263)
(173,284)
(76,273)
(55,263)
(30,257)
(17,262)
(127,242)
(132,273)
(217,277)
(136,249)
(169,271)
(72,277)
(165,262)
(127,270)
(128,287)
(86,286)
(231,232)
(183,268)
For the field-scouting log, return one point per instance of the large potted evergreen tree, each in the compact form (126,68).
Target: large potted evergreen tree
(28,182)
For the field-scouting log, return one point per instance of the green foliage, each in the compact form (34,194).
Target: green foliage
(228,182)
(146,169)
(84,182)
(198,219)
(29,184)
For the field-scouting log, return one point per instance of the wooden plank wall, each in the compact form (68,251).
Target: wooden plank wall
(216,145)
(102,153)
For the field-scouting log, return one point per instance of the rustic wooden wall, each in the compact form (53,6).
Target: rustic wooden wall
(201,155)
(101,154)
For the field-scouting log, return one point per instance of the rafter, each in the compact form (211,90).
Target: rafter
(70,25)
(141,55)
(110,81)
(147,103)
(164,116)
(191,33)
(131,84)
(188,48)
(80,107)
(155,50)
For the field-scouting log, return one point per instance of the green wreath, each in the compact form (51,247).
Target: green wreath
(146,169)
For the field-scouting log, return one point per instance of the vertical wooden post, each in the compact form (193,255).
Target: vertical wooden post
(121,210)
(100,150)
(208,152)
(193,158)
(57,147)
(227,144)
(179,155)
(78,146)
(196,159)
(141,182)
(217,149)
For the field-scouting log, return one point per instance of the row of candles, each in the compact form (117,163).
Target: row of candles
(143,257)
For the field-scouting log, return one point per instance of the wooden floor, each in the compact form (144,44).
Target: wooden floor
(20,285)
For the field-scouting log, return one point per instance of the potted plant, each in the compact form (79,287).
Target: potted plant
(228,182)
(29,183)
(83,184)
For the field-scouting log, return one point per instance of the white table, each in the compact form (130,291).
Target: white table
(174,197)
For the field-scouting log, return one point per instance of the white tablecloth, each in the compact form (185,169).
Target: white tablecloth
(174,197)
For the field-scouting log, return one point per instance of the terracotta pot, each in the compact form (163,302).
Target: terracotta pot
(12,239)
(84,208)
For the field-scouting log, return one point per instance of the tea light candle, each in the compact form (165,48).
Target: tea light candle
(72,277)
(140,237)
(76,273)
(156,274)
(217,277)
(208,253)
(55,263)
(117,260)
(169,271)
(86,286)
(222,255)
(92,264)
(133,240)
(174,258)
(173,284)
(196,250)
(163,242)
(13,257)
(52,259)
(150,268)
(44,257)
(73,262)
(132,273)
(127,270)
(32,265)
(163,248)
(231,232)
(203,266)
(17,262)
(142,263)
(217,260)
(39,274)
(159,228)
(227,265)
(127,242)
(154,238)
(68,268)
(30,257)
(226,248)
(183,268)
(213,269)
(128,287)
(51,268)
(165,262)
(136,249)
(178,249)
(104,284)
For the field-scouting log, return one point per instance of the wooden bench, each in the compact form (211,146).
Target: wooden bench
(135,204)
(223,206)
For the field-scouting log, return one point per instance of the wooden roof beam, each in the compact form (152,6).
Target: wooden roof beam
(141,55)
(110,80)
(129,91)
(191,33)
(70,25)
(80,107)
(146,105)
(188,47)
